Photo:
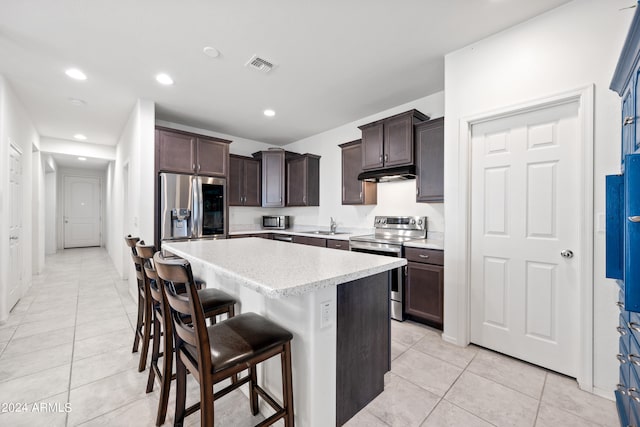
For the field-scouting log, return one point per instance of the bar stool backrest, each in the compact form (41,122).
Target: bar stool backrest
(188,316)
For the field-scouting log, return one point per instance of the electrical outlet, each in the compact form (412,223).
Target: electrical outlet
(325,314)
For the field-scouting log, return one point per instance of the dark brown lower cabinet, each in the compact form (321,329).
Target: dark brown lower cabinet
(338,244)
(312,241)
(424,287)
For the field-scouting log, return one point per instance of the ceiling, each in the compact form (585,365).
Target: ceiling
(336,61)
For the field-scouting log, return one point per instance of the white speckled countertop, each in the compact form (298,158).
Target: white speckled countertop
(279,269)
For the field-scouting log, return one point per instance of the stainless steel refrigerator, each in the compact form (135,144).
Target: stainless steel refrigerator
(192,207)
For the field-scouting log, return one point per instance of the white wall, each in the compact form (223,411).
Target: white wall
(15,128)
(570,47)
(394,198)
(76,148)
(50,206)
(134,162)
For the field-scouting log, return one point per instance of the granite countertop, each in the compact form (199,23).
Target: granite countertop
(279,269)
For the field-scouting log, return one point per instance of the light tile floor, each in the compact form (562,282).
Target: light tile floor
(68,342)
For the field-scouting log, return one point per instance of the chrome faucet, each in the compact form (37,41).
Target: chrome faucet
(333,225)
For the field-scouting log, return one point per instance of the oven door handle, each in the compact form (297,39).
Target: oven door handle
(353,245)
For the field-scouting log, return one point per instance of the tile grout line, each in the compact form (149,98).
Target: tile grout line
(544,384)
(73,348)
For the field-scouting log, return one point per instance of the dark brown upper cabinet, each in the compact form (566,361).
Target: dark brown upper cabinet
(389,142)
(355,192)
(273,178)
(430,161)
(183,152)
(303,180)
(244,181)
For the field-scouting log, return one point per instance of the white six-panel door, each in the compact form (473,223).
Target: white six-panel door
(82,205)
(524,209)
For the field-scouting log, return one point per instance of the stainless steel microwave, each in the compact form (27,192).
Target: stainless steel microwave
(278,222)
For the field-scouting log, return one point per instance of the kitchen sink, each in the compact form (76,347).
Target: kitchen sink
(327,233)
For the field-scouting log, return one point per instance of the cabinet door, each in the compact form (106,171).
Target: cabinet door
(251,182)
(273,179)
(424,292)
(351,167)
(430,161)
(175,152)
(398,141)
(212,157)
(236,181)
(297,182)
(372,141)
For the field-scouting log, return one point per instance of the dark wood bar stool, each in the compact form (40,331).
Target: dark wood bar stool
(143,322)
(214,302)
(220,351)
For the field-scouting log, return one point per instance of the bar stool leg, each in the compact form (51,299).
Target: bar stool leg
(165,386)
(155,353)
(146,336)
(139,321)
(181,391)
(287,385)
(253,394)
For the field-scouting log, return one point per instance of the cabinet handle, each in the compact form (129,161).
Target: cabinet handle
(338,245)
(423,256)
(621,358)
(620,304)
(633,359)
(194,167)
(380,159)
(633,390)
(386,158)
(361,195)
(635,218)
(417,190)
(621,388)
(628,120)
(621,330)
(634,326)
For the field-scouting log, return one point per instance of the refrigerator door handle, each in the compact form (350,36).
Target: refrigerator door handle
(197,206)
(194,202)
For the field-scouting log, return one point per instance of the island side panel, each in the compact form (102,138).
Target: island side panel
(313,348)
(364,343)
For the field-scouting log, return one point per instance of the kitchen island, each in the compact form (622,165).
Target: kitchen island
(336,304)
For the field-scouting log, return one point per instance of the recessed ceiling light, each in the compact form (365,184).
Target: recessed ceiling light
(82,159)
(211,52)
(164,79)
(74,73)
(80,137)
(77,102)
(269,113)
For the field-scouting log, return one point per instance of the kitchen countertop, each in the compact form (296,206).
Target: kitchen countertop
(279,269)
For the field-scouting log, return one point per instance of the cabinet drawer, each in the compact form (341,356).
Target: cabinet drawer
(428,256)
(338,244)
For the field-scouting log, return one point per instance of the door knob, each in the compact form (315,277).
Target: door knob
(567,253)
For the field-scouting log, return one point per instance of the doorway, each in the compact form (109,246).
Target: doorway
(15,227)
(462,260)
(524,236)
(82,208)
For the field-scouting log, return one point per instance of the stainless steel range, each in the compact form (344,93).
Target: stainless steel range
(390,234)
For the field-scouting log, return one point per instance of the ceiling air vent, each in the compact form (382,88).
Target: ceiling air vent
(260,64)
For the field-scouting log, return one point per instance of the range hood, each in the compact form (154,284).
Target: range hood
(399,173)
